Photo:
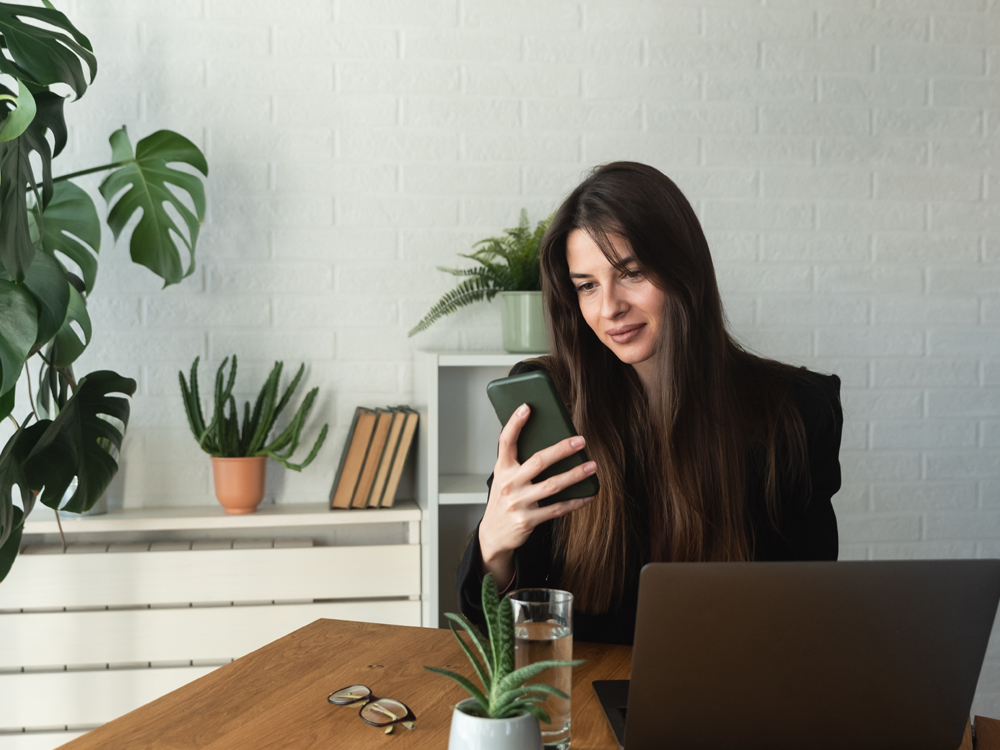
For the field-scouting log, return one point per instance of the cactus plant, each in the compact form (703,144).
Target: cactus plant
(223,436)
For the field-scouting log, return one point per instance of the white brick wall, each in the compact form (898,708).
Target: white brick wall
(843,156)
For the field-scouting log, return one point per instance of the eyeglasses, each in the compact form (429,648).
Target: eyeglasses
(379,712)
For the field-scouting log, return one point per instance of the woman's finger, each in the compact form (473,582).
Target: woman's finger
(548,456)
(507,452)
(560,509)
(535,492)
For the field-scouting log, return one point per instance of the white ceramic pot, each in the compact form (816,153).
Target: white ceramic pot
(474,733)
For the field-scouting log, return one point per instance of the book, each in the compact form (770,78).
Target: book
(385,462)
(399,459)
(353,458)
(383,419)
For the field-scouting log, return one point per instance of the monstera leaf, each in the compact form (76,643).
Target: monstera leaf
(78,442)
(42,54)
(70,225)
(18,329)
(19,118)
(69,346)
(157,242)
(12,474)
(46,281)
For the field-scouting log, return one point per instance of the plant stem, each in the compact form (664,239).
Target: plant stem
(31,398)
(11,418)
(82,172)
(59,524)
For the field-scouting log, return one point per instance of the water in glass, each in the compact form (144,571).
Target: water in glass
(542,641)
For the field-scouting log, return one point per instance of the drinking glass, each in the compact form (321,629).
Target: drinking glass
(543,630)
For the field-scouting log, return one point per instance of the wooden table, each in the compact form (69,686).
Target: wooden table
(276,697)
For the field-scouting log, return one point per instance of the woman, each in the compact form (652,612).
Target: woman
(703,450)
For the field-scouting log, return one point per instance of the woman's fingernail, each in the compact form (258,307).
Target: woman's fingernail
(589,468)
(587,500)
(577,442)
(522,410)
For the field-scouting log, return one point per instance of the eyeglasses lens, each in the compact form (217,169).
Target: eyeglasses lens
(384,711)
(348,695)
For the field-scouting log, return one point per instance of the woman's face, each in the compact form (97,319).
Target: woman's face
(625,310)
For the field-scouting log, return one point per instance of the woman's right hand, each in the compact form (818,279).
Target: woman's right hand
(512,511)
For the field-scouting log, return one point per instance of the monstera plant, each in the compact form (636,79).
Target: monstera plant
(50,236)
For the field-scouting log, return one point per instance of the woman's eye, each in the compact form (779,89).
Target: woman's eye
(585,287)
(633,273)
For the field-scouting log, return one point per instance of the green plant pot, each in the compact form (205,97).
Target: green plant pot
(523,321)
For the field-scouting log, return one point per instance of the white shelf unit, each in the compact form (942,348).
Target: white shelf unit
(145,600)
(455,454)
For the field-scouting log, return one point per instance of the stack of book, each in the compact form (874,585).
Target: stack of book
(373,457)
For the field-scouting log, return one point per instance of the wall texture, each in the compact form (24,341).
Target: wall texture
(844,156)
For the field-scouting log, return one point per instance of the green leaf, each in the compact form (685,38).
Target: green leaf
(476,636)
(466,683)
(484,676)
(522,675)
(505,637)
(12,473)
(43,55)
(46,280)
(20,117)
(68,343)
(71,227)
(525,691)
(79,441)
(157,242)
(18,331)
(7,403)
(491,600)
(538,712)
(471,290)
(17,251)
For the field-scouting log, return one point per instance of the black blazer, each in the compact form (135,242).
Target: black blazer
(809,527)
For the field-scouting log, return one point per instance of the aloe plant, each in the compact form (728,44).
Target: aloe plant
(504,693)
(223,436)
(507,264)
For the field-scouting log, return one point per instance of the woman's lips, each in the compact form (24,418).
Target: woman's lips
(625,334)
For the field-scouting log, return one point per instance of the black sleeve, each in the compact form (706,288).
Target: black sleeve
(532,561)
(812,530)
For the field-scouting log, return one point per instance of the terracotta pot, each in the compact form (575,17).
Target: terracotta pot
(239,482)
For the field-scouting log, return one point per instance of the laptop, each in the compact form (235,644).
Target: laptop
(792,655)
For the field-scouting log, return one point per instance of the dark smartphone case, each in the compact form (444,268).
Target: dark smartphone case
(548,423)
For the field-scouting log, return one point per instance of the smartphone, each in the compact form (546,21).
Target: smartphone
(548,423)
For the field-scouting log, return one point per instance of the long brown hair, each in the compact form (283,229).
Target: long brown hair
(674,463)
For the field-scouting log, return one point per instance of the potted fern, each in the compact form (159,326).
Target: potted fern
(239,455)
(505,713)
(509,267)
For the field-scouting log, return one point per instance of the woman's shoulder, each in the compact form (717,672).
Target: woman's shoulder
(817,397)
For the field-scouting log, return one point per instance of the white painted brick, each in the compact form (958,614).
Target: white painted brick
(439,246)
(924,312)
(113,312)
(335,42)
(521,80)
(964,123)
(793,346)
(760,86)
(286,345)
(706,118)
(763,277)
(397,145)
(812,310)
(243,175)
(327,176)
(964,217)
(394,278)
(332,110)
(338,243)
(870,342)
(991,434)
(759,23)
(877,90)
(179,74)
(872,216)
(269,277)
(703,54)
(739,310)
(953,402)
(853,551)
(322,311)
(217,107)
(913,27)
(854,436)
(716,183)
(559,15)
(989,494)
(924,497)
(954,28)
(654,18)
(821,184)
(853,372)
(522,147)
(759,150)
(192,311)
(552,180)
(924,372)
(991,312)
(926,185)
(588,49)
(964,280)
(963,465)
(923,550)
(124,8)
(665,152)
(871,152)
(824,4)
(814,120)
(398,12)
(635,85)
(991,251)
(733,247)
(118,37)
(851,499)
(587,116)
(869,278)
(963,92)
(269,143)
(379,344)
(398,78)
(922,434)
(820,55)
(941,6)
(879,467)
(287,209)
(816,247)
(757,215)
(908,59)
(359,210)
(139,346)
(926,248)
(495,212)
(169,40)
(462,179)
(878,527)
(460,44)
